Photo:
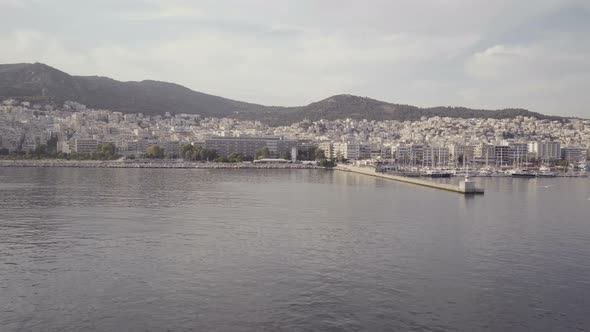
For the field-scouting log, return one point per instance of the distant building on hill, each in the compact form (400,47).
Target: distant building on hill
(85,146)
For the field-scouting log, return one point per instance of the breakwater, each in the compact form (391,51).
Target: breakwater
(151,164)
(464,188)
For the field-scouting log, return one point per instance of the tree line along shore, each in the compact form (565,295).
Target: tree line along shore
(191,155)
(148,163)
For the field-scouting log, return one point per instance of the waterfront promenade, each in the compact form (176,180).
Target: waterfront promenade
(462,189)
(152,164)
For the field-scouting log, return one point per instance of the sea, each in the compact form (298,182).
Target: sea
(288,250)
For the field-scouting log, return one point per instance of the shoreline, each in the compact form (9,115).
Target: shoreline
(149,164)
(178,164)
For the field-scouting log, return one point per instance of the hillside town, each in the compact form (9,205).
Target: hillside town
(76,130)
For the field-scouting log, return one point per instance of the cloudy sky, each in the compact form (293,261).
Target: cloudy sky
(533,54)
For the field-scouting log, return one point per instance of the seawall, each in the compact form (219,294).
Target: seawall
(443,186)
(150,164)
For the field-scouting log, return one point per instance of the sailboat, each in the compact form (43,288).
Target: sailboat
(520,172)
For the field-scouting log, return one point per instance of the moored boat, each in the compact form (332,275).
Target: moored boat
(438,174)
(545,172)
(520,173)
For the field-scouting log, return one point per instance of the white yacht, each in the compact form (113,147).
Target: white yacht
(545,172)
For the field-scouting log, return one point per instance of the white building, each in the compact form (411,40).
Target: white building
(64,147)
(545,150)
(328,148)
(352,151)
(408,154)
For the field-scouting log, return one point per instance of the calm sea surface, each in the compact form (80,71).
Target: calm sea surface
(256,250)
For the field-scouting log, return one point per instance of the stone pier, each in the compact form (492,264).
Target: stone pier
(466,187)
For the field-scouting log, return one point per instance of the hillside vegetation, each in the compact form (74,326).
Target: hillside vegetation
(41,83)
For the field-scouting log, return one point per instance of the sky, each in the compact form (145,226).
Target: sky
(532,54)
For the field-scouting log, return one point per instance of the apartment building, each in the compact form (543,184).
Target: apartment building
(85,145)
(247,146)
(545,150)
(573,154)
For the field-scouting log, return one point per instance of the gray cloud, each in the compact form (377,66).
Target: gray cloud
(487,54)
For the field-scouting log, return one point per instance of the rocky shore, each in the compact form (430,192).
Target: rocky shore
(152,164)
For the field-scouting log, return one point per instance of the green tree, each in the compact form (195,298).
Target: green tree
(285,155)
(212,153)
(327,163)
(221,160)
(52,145)
(196,153)
(155,152)
(307,153)
(262,153)
(40,151)
(186,151)
(319,154)
(235,158)
(203,155)
(106,151)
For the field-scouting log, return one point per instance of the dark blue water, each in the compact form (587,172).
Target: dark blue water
(255,250)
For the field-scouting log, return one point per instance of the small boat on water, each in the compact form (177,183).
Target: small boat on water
(409,174)
(570,174)
(484,173)
(545,172)
(498,174)
(459,174)
(523,174)
(520,173)
(438,174)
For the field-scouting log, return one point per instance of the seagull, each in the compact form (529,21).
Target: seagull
(549,186)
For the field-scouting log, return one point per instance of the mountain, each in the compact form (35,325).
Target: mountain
(41,83)
(348,106)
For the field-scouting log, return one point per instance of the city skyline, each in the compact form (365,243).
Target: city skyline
(457,53)
(74,128)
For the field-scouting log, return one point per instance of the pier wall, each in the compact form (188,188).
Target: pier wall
(443,186)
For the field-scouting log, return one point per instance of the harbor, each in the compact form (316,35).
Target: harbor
(466,187)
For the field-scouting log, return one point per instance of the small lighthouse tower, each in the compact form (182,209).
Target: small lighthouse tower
(467,185)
